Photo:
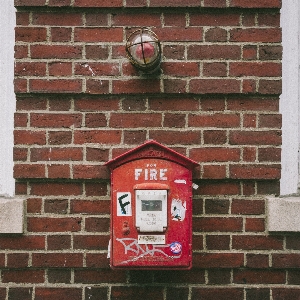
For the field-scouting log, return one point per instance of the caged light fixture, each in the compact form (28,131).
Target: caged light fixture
(144,50)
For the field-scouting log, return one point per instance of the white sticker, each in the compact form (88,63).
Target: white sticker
(151,239)
(178,209)
(124,204)
(180,181)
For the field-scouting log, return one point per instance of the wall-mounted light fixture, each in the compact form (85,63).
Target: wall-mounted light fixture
(143,50)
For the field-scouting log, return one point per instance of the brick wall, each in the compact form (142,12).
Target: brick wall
(81,103)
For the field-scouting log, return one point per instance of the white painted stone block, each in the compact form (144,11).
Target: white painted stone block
(284,214)
(11,215)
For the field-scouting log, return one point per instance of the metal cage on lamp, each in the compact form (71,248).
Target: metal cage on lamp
(144,50)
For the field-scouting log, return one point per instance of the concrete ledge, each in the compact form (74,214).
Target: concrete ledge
(284,213)
(11,215)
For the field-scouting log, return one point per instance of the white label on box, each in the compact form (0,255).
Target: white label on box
(151,239)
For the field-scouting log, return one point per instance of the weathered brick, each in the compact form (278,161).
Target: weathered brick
(42,293)
(53,224)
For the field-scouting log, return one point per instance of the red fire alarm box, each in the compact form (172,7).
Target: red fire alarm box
(151,209)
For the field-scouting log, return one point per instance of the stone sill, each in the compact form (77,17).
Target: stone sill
(283,213)
(11,215)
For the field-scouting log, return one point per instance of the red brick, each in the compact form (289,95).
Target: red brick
(268,35)
(61,34)
(270,86)
(96,3)
(215,154)
(250,52)
(218,260)
(212,86)
(247,207)
(96,51)
(56,189)
(90,172)
(20,85)
(256,3)
(253,104)
(27,137)
(134,86)
(96,35)
(97,86)
(22,18)
(134,136)
(175,86)
(136,3)
(249,154)
(58,242)
(57,260)
(96,188)
(174,120)
(214,52)
(32,103)
(261,69)
(175,137)
(59,137)
(31,242)
(214,120)
(216,35)
(174,3)
(98,276)
(55,120)
(21,51)
(94,120)
(57,293)
(217,293)
(254,171)
(23,276)
(30,69)
(94,224)
(248,242)
(214,172)
(214,19)
(181,69)
(97,260)
(23,293)
(53,224)
(20,154)
(270,121)
(285,294)
(214,3)
(29,2)
(257,261)
(221,276)
(212,104)
(96,19)
(291,260)
(56,154)
(215,69)
(34,205)
(59,3)
(96,292)
(60,104)
(57,19)
(55,51)
(174,52)
(269,154)
(190,34)
(59,275)
(268,187)
(91,242)
(60,69)
(98,104)
(139,292)
(97,136)
(258,277)
(95,154)
(218,188)
(90,207)
(29,171)
(218,242)
(217,224)
(269,19)
(249,120)
(55,86)
(59,171)
(133,120)
(56,206)
(20,120)
(2,260)
(255,137)
(270,52)
(30,34)
(248,20)
(255,225)
(216,206)
(175,19)
(97,69)
(173,104)
(140,19)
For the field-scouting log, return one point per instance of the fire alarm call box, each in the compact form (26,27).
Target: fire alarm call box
(151,209)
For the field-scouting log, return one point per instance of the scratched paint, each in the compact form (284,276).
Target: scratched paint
(178,209)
